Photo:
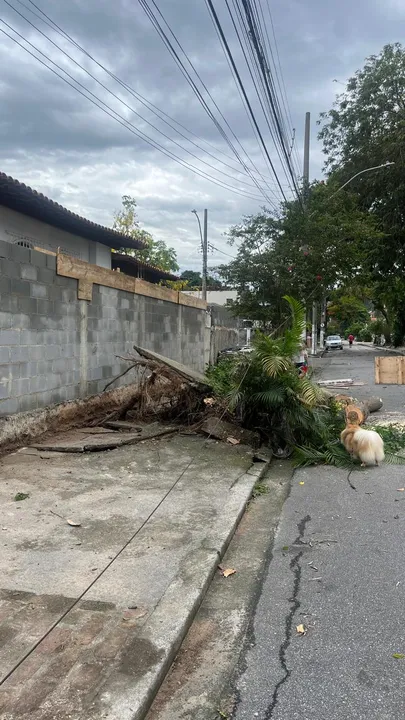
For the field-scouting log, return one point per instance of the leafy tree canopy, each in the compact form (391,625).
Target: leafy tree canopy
(156,253)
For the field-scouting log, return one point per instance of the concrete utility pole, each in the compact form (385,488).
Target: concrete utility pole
(306,192)
(205,256)
(204,248)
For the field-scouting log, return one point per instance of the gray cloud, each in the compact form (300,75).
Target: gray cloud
(57,141)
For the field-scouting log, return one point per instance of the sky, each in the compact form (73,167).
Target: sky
(60,143)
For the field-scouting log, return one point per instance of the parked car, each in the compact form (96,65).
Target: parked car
(238,349)
(334,342)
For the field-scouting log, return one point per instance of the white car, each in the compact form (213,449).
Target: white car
(334,342)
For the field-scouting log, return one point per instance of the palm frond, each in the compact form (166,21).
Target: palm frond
(392,459)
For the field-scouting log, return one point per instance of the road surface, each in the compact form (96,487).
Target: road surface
(337,568)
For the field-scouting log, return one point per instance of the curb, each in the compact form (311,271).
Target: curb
(384,349)
(165,630)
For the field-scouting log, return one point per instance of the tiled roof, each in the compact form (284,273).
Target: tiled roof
(25,200)
(132,266)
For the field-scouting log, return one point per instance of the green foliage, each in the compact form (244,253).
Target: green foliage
(364,129)
(305,254)
(264,390)
(156,252)
(346,311)
(194,281)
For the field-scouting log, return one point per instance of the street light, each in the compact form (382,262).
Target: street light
(204,246)
(377,167)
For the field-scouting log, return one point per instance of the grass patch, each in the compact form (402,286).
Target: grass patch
(21,496)
(259,489)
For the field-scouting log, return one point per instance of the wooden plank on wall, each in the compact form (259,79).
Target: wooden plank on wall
(157,291)
(192,301)
(389,370)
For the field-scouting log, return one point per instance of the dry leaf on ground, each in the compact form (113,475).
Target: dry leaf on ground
(233,441)
(228,571)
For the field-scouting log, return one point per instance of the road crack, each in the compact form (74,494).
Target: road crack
(296,569)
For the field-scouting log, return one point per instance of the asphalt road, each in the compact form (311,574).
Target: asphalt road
(337,567)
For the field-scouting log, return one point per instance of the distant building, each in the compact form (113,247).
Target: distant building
(216,297)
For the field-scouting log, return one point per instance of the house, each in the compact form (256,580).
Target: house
(216,297)
(32,220)
(132,266)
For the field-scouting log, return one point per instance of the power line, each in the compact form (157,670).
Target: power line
(254,74)
(228,50)
(212,247)
(147,103)
(271,96)
(123,102)
(116,116)
(163,35)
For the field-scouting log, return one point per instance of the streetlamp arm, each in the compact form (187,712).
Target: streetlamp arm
(377,167)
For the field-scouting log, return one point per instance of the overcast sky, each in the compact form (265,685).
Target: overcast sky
(55,140)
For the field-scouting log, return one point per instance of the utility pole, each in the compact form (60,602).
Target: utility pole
(204,248)
(205,256)
(306,192)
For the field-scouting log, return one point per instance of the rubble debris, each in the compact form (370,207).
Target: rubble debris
(222,430)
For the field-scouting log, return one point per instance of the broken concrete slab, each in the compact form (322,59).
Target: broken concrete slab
(99,439)
(92,615)
(222,430)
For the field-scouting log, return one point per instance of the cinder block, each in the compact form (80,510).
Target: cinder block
(51,262)
(5,249)
(39,291)
(46,276)
(20,387)
(20,287)
(21,321)
(51,352)
(6,320)
(69,295)
(8,407)
(61,365)
(27,402)
(29,272)
(96,373)
(19,353)
(38,258)
(27,305)
(45,307)
(20,253)
(4,355)
(28,337)
(4,389)
(9,268)
(9,337)
(36,352)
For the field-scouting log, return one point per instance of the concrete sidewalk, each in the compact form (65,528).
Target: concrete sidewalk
(103,568)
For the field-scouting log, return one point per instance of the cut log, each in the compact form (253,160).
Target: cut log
(192,376)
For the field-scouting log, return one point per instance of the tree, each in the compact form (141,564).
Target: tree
(306,253)
(347,311)
(156,253)
(193,279)
(366,128)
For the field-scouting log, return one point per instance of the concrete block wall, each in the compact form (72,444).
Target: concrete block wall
(54,347)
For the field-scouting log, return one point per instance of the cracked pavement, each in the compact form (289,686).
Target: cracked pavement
(337,567)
